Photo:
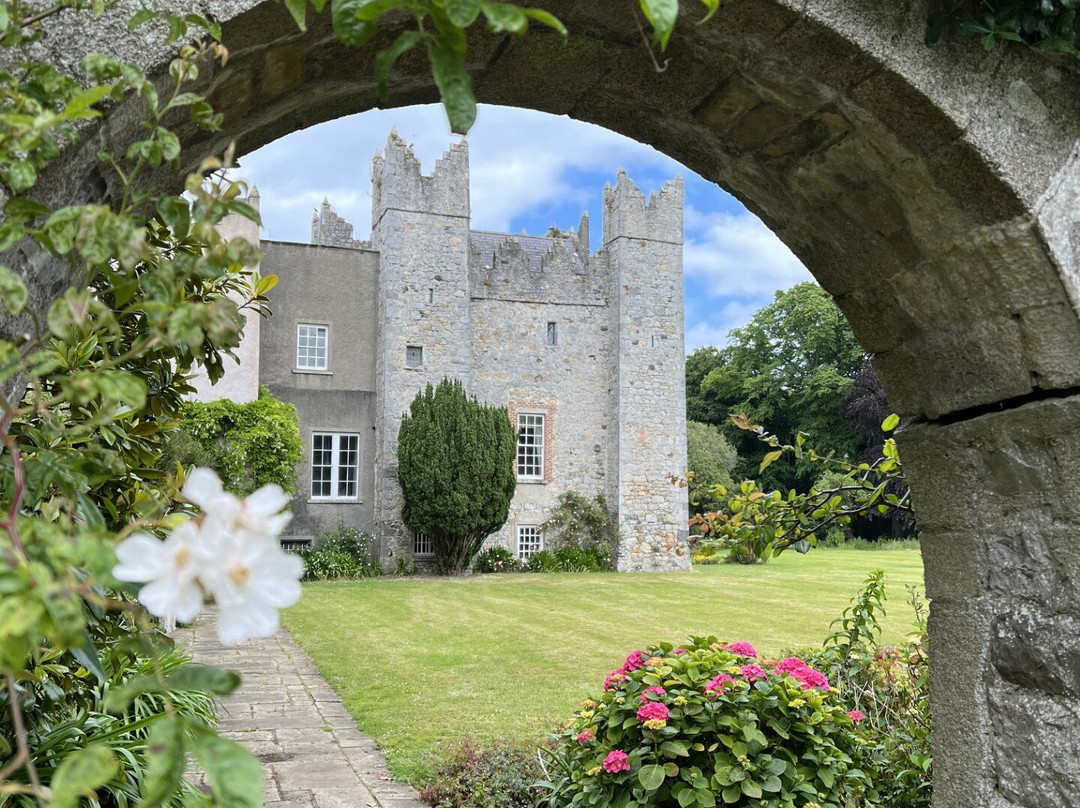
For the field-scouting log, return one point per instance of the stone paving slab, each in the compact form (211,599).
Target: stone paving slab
(288,716)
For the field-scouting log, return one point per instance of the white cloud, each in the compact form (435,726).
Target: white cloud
(707,325)
(737,256)
(521,161)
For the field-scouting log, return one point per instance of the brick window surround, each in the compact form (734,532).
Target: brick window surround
(547,409)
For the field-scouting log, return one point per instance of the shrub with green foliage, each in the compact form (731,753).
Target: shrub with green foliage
(456,469)
(571,559)
(249,445)
(497,559)
(890,687)
(709,724)
(470,776)
(710,459)
(580,523)
(340,554)
(1049,26)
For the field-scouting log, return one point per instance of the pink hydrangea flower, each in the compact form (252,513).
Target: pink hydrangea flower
(652,711)
(718,684)
(807,676)
(743,649)
(616,762)
(633,661)
(680,651)
(586,736)
(856,716)
(654,689)
(616,677)
(753,673)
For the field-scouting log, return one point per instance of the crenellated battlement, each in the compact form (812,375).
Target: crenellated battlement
(397,182)
(626,213)
(328,229)
(537,268)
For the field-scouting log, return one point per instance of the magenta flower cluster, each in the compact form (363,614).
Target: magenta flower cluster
(753,673)
(809,677)
(743,649)
(616,761)
(652,711)
(718,684)
(654,689)
(634,660)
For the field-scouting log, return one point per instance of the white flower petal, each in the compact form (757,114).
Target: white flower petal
(245,622)
(172,597)
(202,487)
(141,558)
(273,525)
(267,501)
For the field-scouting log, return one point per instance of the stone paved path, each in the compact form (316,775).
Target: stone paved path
(287,715)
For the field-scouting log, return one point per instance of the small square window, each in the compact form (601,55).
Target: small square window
(414,356)
(530,541)
(422,544)
(551,334)
(312,347)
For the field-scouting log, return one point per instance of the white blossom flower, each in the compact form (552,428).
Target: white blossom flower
(260,512)
(170,569)
(251,579)
(231,552)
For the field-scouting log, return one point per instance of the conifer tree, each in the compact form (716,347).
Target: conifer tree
(455,466)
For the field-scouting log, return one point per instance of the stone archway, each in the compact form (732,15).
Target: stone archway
(933,192)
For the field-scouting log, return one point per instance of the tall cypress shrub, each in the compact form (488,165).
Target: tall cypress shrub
(456,469)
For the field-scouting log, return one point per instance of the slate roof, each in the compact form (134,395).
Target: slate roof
(535,247)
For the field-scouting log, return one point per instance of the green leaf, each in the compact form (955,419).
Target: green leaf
(385,59)
(505,17)
(165,763)
(348,26)
(890,423)
(13,294)
(298,9)
(550,20)
(455,87)
(21,175)
(661,15)
(751,789)
(769,459)
(87,656)
(80,773)
(651,777)
(204,677)
(462,13)
(732,794)
(234,773)
(139,17)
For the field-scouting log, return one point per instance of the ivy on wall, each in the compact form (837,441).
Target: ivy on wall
(248,445)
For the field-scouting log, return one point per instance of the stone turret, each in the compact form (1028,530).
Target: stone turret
(328,229)
(643,245)
(420,227)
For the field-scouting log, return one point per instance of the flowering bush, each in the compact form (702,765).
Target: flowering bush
(709,724)
(341,554)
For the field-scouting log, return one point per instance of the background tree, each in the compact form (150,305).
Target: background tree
(456,469)
(711,459)
(790,367)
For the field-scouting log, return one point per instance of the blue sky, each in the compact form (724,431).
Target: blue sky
(531,170)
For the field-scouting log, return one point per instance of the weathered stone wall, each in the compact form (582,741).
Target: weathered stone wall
(420,228)
(643,245)
(328,229)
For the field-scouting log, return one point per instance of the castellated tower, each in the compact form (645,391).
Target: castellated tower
(643,245)
(420,228)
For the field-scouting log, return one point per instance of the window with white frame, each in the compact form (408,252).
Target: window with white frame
(335,465)
(530,541)
(530,447)
(312,347)
(422,544)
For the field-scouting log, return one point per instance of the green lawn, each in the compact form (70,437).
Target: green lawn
(418,660)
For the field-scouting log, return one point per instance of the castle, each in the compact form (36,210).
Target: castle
(585,349)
